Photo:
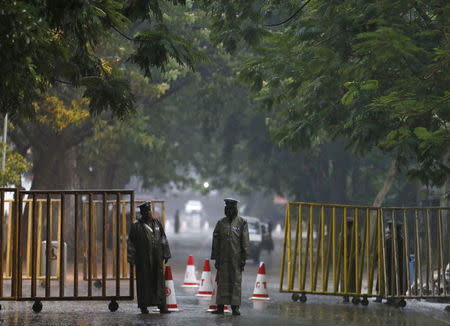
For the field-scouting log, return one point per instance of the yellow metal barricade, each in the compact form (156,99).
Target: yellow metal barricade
(363,251)
(417,252)
(27,217)
(333,250)
(34,219)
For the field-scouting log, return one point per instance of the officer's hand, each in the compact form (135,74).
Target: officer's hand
(216,264)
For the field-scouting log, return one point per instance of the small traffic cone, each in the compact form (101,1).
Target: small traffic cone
(171,300)
(261,291)
(206,286)
(190,281)
(213,306)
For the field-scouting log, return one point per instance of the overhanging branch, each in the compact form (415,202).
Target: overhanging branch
(291,17)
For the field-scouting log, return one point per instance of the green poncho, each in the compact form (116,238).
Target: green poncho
(230,249)
(147,249)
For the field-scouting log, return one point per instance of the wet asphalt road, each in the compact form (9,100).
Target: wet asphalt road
(319,310)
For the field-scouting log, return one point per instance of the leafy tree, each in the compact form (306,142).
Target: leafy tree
(72,148)
(61,122)
(71,114)
(224,139)
(47,43)
(139,144)
(15,165)
(373,72)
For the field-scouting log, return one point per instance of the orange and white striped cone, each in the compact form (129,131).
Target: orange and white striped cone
(171,299)
(213,305)
(206,286)
(261,291)
(190,280)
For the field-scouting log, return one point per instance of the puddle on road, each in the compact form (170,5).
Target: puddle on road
(374,314)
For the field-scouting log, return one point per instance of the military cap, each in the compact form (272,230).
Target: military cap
(146,205)
(230,202)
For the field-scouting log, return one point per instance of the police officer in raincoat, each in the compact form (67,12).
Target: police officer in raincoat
(230,249)
(148,250)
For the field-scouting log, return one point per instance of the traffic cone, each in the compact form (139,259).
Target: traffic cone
(206,286)
(261,291)
(190,281)
(213,305)
(171,300)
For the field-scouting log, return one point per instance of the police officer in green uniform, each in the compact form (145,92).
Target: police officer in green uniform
(230,249)
(148,250)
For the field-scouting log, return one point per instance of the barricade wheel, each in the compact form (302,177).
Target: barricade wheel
(98,284)
(365,301)
(42,284)
(113,306)
(295,297)
(402,303)
(37,306)
(303,298)
(355,300)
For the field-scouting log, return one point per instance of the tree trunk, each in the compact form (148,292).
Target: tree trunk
(53,167)
(390,178)
(104,177)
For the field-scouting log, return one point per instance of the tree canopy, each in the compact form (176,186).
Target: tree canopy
(46,43)
(374,72)
(289,92)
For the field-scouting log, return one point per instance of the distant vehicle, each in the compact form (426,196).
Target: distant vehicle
(255,235)
(195,221)
(193,214)
(193,206)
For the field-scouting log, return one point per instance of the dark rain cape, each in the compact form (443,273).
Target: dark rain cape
(230,249)
(147,248)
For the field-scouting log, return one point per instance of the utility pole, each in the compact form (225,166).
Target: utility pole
(5,133)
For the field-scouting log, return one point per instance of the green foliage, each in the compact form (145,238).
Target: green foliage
(121,152)
(221,137)
(157,47)
(46,43)
(366,76)
(139,144)
(355,87)
(113,94)
(15,165)
(374,72)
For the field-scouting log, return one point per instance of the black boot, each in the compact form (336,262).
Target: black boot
(163,309)
(235,310)
(219,310)
(144,310)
